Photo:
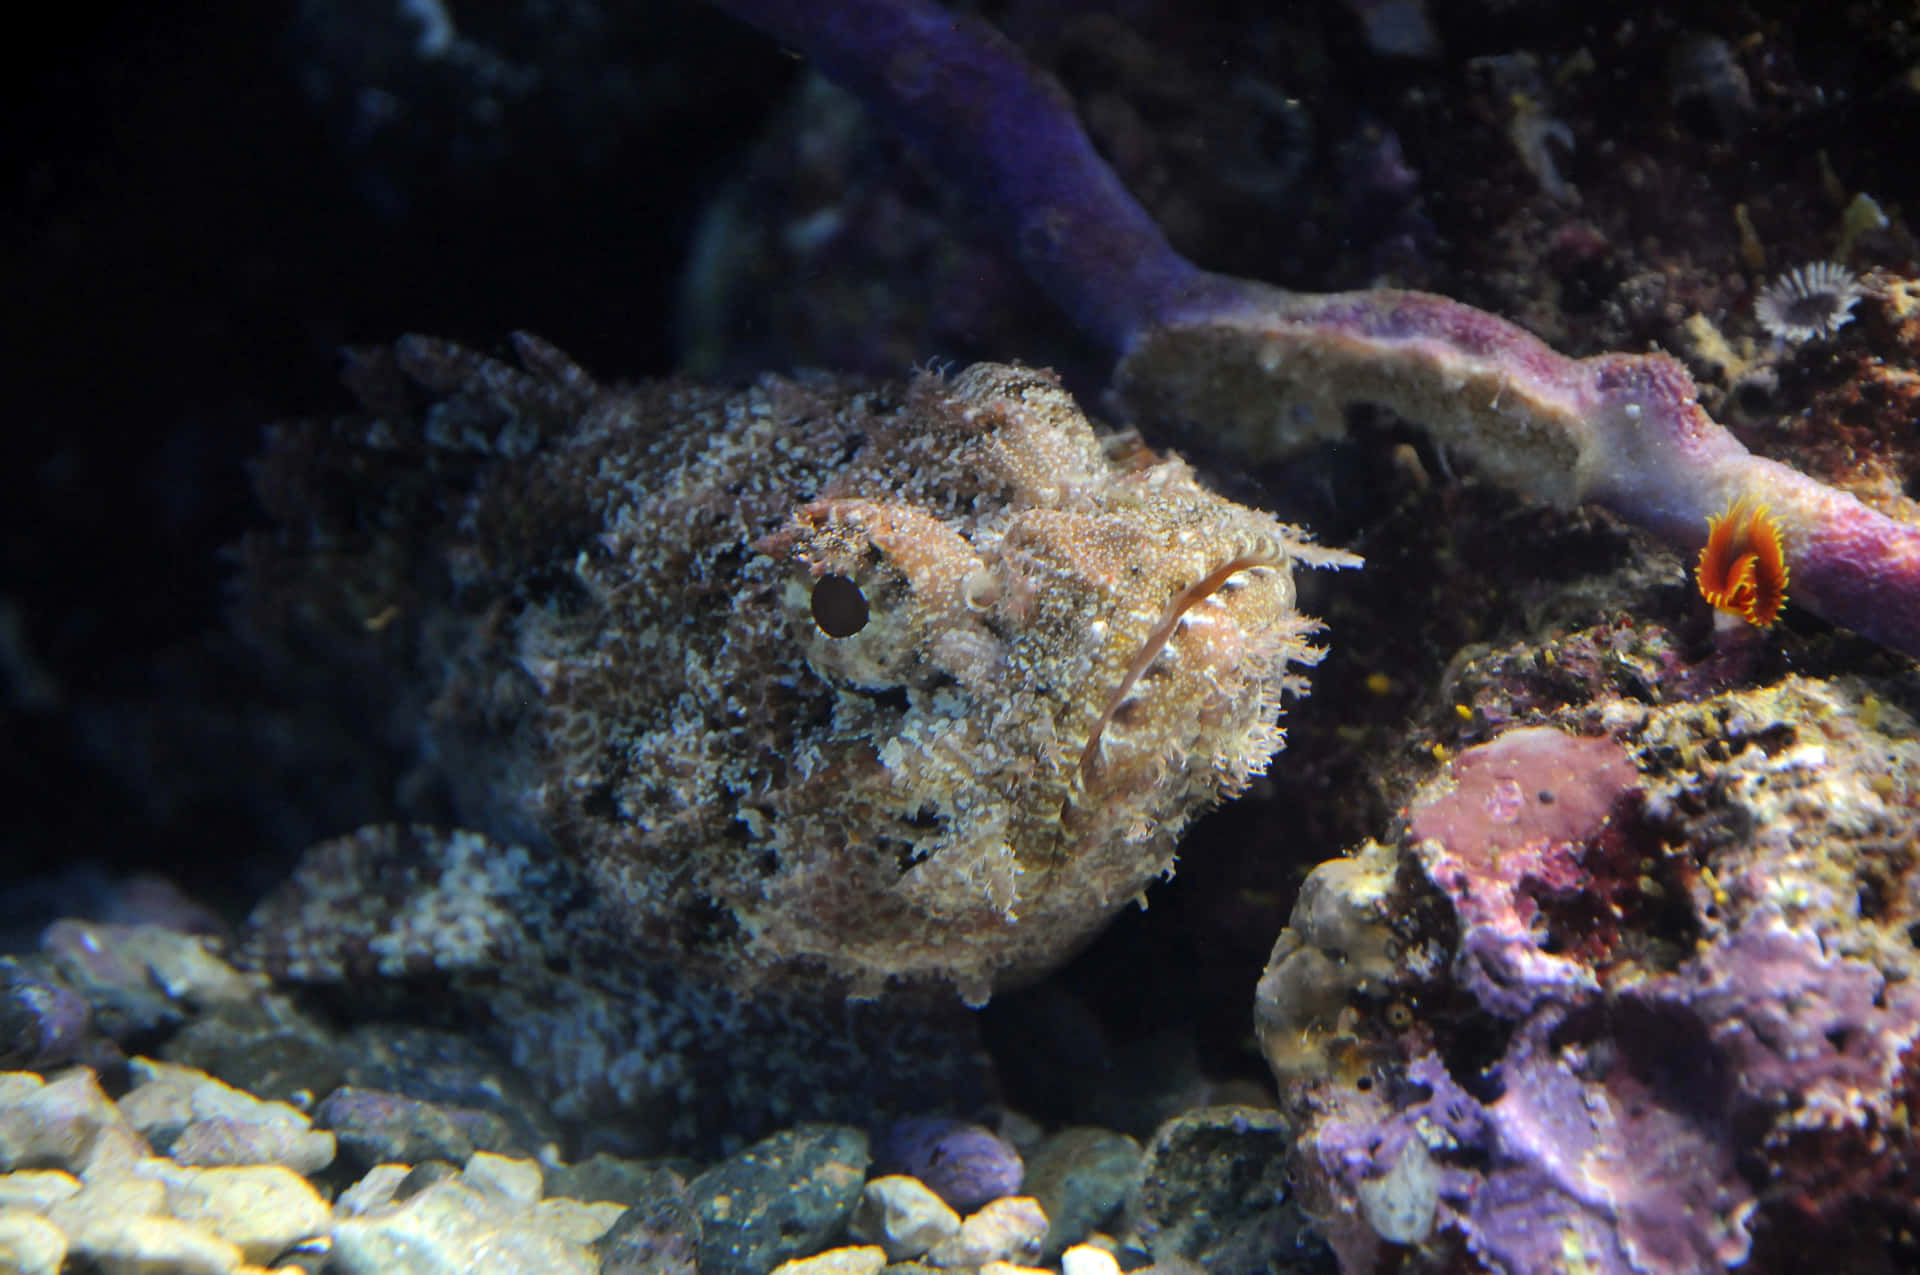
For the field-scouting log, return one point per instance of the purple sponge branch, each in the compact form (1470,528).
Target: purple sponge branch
(1263,370)
(1270,370)
(964,96)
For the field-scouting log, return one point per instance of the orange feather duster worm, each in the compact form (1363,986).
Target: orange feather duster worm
(1743,569)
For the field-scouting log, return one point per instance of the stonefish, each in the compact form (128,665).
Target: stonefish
(750,721)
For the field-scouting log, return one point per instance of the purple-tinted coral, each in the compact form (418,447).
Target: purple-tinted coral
(1357,1147)
(1591,1170)
(965,1164)
(1814,1047)
(1612,1145)
(1508,828)
(1572,1170)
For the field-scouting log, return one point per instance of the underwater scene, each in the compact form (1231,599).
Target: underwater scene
(828,637)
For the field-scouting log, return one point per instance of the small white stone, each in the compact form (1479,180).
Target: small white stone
(264,1209)
(66,1123)
(15,1086)
(515,1185)
(36,1190)
(903,1216)
(1007,1230)
(867,1259)
(213,1124)
(29,1244)
(153,1246)
(1085,1259)
(1400,1205)
(518,1248)
(109,1199)
(374,1190)
(452,1228)
(574,1221)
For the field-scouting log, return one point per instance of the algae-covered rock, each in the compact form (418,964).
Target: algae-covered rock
(1079,1177)
(781,1198)
(1214,1189)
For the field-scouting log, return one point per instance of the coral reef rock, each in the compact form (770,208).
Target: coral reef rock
(1627,1003)
(728,705)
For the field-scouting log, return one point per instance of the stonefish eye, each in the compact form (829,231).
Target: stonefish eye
(839,608)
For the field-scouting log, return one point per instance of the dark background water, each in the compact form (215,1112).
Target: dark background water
(206,203)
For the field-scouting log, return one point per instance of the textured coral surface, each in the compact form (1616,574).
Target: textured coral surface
(1689,1013)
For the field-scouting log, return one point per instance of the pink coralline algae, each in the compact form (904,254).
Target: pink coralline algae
(1508,828)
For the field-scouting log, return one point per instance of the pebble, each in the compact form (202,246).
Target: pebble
(485,1218)
(152,1246)
(458,1074)
(264,1210)
(514,1184)
(200,1121)
(867,1259)
(423,1175)
(783,1197)
(375,1189)
(374,1126)
(42,1023)
(139,977)
(1020,1129)
(1400,1205)
(29,1244)
(964,1164)
(903,1216)
(81,1186)
(65,1123)
(1085,1259)
(609,1177)
(109,1197)
(279,1055)
(1010,1229)
(657,1235)
(1213,1189)
(1080,1176)
(36,1190)
(572,1220)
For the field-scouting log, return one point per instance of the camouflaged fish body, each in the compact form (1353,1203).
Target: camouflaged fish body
(808,686)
